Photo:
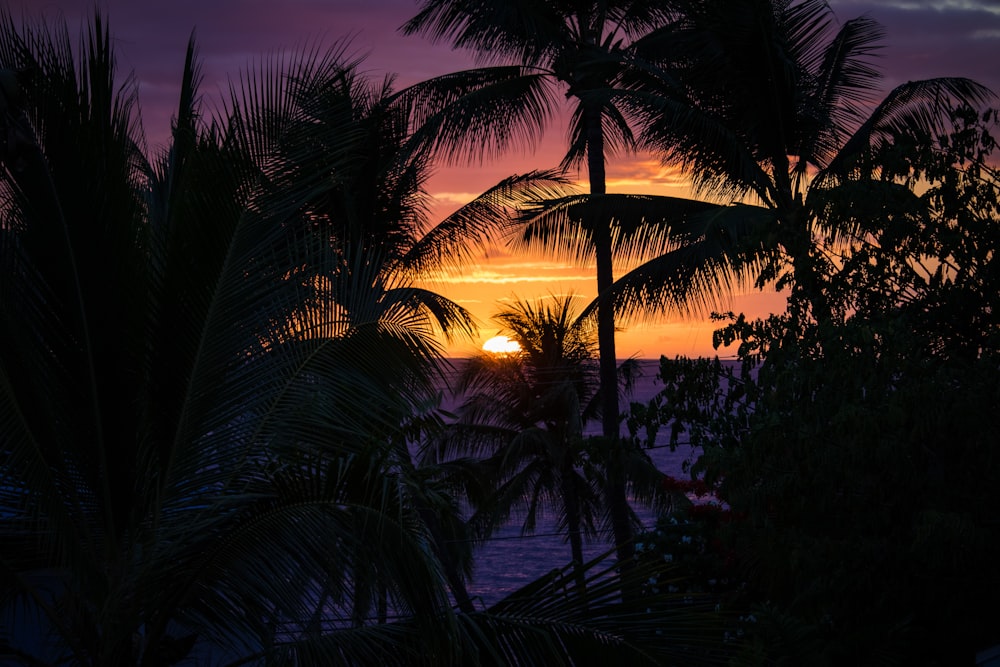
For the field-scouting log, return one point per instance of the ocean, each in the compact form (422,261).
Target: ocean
(511,560)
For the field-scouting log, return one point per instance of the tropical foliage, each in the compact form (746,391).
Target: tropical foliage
(534,53)
(774,110)
(766,104)
(217,360)
(171,394)
(856,451)
(206,363)
(524,416)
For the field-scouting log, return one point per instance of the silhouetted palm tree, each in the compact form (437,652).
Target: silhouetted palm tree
(525,413)
(171,424)
(374,207)
(772,105)
(536,397)
(538,53)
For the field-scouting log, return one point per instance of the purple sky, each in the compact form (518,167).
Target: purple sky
(151,37)
(925,38)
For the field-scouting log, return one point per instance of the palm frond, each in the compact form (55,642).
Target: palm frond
(496,32)
(478,226)
(642,226)
(594,623)
(915,108)
(72,248)
(549,621)
(718,159)
(721,252)
(845,84)
(505,107)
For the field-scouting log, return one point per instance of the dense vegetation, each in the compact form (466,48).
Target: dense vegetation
(219,433)
(854,454)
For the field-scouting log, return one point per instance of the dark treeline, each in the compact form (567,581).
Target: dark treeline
(221,433)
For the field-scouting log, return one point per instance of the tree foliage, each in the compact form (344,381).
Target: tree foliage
(523,415)
(772,109)
(857,449)
(208,359)
(534,51)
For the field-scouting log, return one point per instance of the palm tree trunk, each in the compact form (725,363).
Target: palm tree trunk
(382,607)
(573,521)
(448,562)
(621,523)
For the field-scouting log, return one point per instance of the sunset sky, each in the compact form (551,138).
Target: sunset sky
(924,39)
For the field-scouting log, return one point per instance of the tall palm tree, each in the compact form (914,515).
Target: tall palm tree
(536,53)
(774,105)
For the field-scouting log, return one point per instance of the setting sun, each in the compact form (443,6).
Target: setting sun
(501,345)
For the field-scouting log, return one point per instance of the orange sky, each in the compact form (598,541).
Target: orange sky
(484,288)
(925,38)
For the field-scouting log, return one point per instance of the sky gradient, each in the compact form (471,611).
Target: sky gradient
(924,39)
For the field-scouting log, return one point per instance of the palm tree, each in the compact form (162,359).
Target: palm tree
(772,105)
(536,399)
(198,381)
(536,51)
(525,413)
(174,439)
(376,211)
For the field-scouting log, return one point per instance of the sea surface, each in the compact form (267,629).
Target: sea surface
(511,560)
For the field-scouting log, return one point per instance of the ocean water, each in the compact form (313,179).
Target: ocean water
(511,560)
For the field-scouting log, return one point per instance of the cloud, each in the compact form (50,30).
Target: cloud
(455,198)
(541,264)
(480,276)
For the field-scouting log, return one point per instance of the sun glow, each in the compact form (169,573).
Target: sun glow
(501,345)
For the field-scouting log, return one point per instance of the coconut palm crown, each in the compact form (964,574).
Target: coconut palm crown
(774,110)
